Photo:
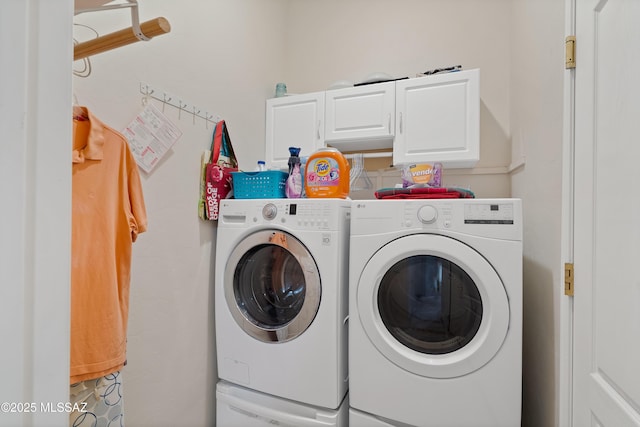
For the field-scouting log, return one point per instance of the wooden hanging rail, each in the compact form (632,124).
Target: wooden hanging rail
(152,28)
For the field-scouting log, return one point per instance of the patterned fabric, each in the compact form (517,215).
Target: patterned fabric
(100,402)
(424,193)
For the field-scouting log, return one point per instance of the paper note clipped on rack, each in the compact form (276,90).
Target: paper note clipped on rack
(150,134)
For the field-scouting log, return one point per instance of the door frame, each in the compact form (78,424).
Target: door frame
(564,334)
(35,182)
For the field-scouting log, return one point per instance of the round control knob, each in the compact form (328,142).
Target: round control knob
(269,211)
(427,214)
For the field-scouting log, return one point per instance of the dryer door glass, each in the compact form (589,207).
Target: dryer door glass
(269,285)
(430,304)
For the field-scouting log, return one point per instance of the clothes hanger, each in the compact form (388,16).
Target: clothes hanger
(79,113)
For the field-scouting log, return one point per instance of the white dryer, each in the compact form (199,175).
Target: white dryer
(281,297)
(435,329)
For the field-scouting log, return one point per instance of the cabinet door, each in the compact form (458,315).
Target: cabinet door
(438,119)
(360,118)
(293,121)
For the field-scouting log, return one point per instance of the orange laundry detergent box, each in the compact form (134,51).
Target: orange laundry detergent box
(422,175)
(327,174)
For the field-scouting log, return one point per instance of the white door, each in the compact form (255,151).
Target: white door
(606,389)
(438,119)
(360,118)
(293,121)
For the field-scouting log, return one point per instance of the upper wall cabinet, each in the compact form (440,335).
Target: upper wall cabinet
(360,118)
(438,119)
(424,120)
(293,121)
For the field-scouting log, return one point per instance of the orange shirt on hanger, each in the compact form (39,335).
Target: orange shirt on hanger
(108,214)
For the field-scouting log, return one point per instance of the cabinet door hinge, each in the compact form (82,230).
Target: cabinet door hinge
(570,52)
(568,279)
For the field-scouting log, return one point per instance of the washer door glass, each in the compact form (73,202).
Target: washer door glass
(430,304)
(272,286)
(269,285)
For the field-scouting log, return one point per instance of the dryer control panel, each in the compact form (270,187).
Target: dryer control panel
(496,218)
(488,213)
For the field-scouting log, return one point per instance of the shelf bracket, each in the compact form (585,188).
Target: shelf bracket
(135,18)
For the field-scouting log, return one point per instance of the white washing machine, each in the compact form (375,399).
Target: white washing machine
(435,329)
(242,407)
(281,297)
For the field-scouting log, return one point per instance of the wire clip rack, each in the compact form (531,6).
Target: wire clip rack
(167,99)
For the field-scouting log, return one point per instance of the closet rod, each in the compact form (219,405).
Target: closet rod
(152,28)
(370,155)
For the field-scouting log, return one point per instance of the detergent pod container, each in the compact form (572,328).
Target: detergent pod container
(327,174)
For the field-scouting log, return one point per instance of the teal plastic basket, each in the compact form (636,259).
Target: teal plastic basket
(259,185)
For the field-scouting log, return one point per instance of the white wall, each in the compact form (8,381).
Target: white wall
(518,47)
(226,56)
(223,56)
(335,40)
(537,73)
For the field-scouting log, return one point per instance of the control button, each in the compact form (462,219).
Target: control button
(269,211)
(447,223)
(427,214)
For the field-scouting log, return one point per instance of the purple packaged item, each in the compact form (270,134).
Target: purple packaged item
(422,175)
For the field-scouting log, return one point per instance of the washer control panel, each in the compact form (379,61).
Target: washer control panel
(269,211)
(305,214)
(309,216)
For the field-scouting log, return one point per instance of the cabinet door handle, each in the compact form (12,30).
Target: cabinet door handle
(318,129)
(400,122)
(389,124)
